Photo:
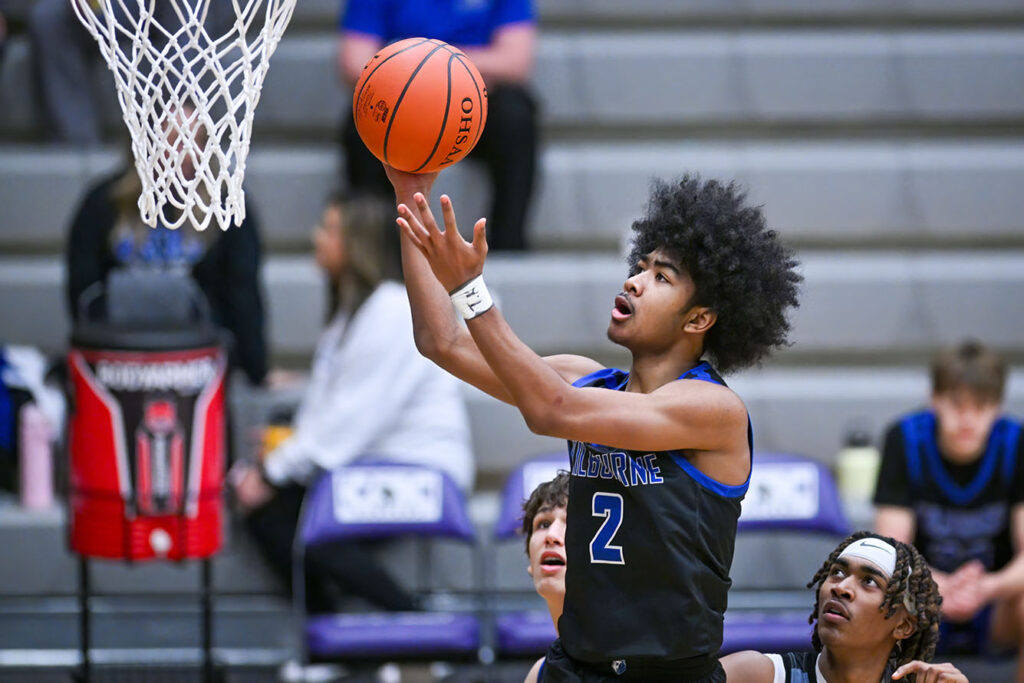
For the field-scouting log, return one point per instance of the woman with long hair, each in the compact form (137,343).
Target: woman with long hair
(108,237)
(371,397)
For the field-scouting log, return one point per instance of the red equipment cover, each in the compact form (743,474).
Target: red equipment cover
(147,445)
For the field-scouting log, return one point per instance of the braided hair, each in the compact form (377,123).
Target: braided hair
(914,589)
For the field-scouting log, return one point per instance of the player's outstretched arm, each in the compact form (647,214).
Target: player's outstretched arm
(682,414)
(440,335)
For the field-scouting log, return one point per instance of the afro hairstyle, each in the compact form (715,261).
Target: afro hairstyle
(739,267)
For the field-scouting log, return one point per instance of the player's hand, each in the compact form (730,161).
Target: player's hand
(968,573)
(962,605)
(453,260)
(408,184)
(930,673)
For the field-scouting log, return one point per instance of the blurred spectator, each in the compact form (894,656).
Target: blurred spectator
(108,238)
(371,397)
(499,36)
(952,481)
(65,54)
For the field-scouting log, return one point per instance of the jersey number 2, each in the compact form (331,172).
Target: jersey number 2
(609,506)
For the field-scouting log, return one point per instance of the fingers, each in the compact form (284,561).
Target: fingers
(415,234)
(450,228)
(480,237)
(915,666)
(429,222)
(930,673)
(410,216)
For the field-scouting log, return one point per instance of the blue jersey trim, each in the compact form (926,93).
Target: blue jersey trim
(919,432)
(713,485)
(607,378)
(1011,435)
(616,379)
(912,446)
(540,671)
(702,371)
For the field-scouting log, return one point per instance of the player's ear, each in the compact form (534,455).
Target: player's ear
(906,625)
(699,319)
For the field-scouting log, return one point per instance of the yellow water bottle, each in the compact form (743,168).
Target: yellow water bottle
(857,472)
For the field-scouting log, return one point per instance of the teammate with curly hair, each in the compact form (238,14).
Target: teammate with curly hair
(660,454)
(876,618)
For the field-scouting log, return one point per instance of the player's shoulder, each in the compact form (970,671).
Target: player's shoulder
(897,428)
(1011,421)
(534,674)
(571,367)
(712,392)
(752,666)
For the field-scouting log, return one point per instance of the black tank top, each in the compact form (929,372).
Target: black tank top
(649,545)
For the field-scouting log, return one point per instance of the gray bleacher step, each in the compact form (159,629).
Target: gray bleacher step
(793,410)
(872,193)
(798,410)
(257,624)
(866,302)
(717,77)
(43,565)
(324,13)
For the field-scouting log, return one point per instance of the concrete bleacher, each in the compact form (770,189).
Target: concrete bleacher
(915,192)
(866,306)
(717,77)
(885,140)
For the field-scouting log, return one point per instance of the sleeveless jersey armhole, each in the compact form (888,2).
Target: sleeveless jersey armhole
(780,668)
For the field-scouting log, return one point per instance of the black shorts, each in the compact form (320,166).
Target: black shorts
(559,667)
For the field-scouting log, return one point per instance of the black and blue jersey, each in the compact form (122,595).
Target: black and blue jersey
(649,545)
(962,511)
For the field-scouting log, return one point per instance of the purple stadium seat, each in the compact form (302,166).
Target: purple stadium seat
(791,492)
(525,634)
(784,631)
(787,493)
(392,634)
(529,632)
(518,487)
(386,501)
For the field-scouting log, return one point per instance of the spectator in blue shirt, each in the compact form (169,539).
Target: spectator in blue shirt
(499,36)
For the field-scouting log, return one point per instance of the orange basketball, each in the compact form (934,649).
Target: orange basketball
(420,105)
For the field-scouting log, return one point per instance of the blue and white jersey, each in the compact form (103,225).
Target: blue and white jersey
(649,545)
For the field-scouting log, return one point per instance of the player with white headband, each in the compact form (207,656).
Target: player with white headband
(876,618)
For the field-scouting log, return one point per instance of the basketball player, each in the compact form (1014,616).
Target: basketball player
(544,528)
(876,618)
(952,482)
(661,453)
(855,637)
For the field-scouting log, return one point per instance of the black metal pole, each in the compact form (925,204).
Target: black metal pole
(83,618)
(207,603)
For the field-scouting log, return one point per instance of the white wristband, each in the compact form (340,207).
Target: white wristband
(472,299)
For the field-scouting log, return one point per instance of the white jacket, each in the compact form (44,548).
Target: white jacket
(372,396)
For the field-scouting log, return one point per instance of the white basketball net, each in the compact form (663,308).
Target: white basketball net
(188,76)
